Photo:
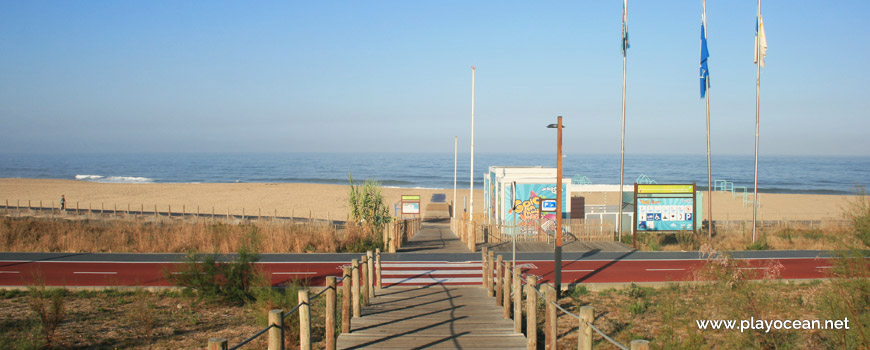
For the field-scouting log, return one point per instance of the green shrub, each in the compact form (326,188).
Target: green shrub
(367,208)
(210,279)
(578,291)
(48,305)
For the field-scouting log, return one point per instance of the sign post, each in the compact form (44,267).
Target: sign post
(410,204)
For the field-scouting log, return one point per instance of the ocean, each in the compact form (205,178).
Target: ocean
(777,174)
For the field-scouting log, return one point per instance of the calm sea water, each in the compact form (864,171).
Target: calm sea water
(829,175)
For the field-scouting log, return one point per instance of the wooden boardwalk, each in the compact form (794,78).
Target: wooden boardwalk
(432,317)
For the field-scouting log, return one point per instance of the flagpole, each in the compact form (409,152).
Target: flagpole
(757,105)
(709,163)
(622,149)
(709,174)
(455,153)
(472,243)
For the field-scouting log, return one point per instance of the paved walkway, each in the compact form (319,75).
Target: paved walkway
(432,317)
(434,238)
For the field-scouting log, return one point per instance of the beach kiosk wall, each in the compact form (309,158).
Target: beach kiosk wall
(532,190)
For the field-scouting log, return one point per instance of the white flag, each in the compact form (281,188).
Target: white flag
(760,41)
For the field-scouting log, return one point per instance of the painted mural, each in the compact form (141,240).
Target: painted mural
(526,208)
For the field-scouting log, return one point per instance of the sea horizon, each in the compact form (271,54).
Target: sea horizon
(777,174)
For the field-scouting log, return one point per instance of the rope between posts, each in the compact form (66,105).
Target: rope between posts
(556,304)
(252,338)
(614,342)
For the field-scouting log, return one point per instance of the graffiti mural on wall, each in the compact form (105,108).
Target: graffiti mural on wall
(527,207)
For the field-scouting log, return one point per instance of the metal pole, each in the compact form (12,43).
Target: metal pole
(757,105)
(622,152)
(558,252)
(455,153)
(514,209)
(471,171)
(709,163)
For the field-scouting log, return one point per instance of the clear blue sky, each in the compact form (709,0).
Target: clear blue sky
(166,76)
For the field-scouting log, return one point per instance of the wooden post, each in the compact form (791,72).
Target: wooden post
(114,211)
(228,213)
(483,265)
(244,219)
(304,321)
(155,211)
(506,293)
(183,211)
(276,333)
(259,215)
(345,299)
(355,286)
(77,208)
(378,267)
(585,337)
(640,344)
(489,267)
(370,283)
(169,211)
(531,313)
(329,324)
(217,344)
(551,318)
(499,283)
(364,291)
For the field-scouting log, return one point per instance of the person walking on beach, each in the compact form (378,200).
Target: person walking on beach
(62,203)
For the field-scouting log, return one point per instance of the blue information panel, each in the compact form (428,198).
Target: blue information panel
(665,214)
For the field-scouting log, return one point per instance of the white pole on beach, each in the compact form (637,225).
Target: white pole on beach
(471,182)
(757,105)
(622,152)
(709,163)
(455,153)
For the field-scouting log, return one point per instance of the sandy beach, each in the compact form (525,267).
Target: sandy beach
(322,201)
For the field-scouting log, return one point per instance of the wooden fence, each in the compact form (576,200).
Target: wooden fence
(358,284)
(531,231)
(504,282)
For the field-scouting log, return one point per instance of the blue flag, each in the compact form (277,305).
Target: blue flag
(705,73)
(625,44)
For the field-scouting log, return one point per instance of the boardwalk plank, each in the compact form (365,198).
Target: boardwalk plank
(432,317)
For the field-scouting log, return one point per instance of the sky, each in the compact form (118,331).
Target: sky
(379,76)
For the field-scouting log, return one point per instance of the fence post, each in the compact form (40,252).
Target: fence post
(370,283)
(518,301)
(531,312)
(506,293)
(304,321)
(489,267)
(345,300)
(378,267)
(483,264)
(217,344)
(355,283)
(585,336)
(551,318)
(499,283)
(364,290)
(276,333)
(639,344)
(330,313)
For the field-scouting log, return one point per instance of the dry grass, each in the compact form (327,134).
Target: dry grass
(62,235)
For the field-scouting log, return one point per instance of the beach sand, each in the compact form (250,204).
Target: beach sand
(322,201)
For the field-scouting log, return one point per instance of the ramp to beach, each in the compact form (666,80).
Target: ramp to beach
(436,316)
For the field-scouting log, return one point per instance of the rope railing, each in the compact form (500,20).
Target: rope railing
(548,293)
(356,293)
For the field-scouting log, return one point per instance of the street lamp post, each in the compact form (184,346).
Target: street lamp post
(558,249)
